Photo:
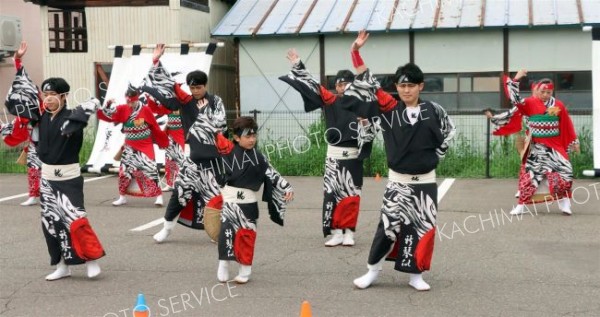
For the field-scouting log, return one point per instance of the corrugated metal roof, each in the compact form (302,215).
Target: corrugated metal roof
(274,17)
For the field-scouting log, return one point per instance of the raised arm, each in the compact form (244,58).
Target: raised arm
(511,88)
(364,77)
(359,42)
(19,55)
(219,115)
(158,52)
(163,87)
(313,94)
(23,98)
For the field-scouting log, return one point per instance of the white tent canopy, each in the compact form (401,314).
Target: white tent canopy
(134,69)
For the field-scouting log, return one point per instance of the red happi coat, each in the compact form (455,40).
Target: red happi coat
(143,124)
(19,134)
(534,106)
(174,126)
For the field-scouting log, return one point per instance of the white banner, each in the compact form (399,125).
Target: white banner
(109,138)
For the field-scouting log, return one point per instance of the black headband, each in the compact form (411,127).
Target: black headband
(404,79)
(57,85)
(244,132)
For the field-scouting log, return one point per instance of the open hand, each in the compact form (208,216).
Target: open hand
(575,148)
(159,50)
(292,56)
(289,196)
(21,51)
(361,39)
(520,74)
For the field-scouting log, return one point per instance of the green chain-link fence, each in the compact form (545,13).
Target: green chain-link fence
(295,145)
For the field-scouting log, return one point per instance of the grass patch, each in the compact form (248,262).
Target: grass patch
(462,159)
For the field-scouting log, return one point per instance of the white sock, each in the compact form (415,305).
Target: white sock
(337,238)
(159,200)
(30,201)
(93,269)
(164,233)
(243,274)
(370,277)
(518,210)
(416,281)
(564,205)
(348,238)
(62,270)
(121,201)
(223,271)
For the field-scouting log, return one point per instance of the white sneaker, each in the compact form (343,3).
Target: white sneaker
(223,271)
(30,202)
(62,271)
(159,201)
(243,274)
(337,239)
(348,238)
(518,210)
(518,194)
(417,282)
(164,233)
(93,269)
(121,201)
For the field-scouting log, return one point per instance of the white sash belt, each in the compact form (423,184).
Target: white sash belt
(238,195)
(60,172)
(342,153)
(412,179)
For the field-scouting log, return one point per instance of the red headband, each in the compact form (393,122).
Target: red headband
(545,86)
(132,98)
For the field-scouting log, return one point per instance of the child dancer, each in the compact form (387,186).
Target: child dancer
(246,169)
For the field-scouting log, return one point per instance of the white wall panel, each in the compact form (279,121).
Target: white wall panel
(550,50)
(383,53)
(464,51)
(262,62)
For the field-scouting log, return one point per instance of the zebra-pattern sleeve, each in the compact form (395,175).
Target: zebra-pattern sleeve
(23,99)
(219,116)
(79,117)
(301,73)
(447,128)
(501,119)
(7,129)
(512,91)
(160,85)
(313,94)
(276,187)
(363,87)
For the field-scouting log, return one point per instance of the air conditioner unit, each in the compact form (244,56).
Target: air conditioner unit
(10,33)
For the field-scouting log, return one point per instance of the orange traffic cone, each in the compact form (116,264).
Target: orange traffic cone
(141,309)
(377,177)
(305,309)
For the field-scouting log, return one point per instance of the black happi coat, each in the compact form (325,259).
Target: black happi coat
(250,169)
(54,147)
(341,111)
(411,149)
